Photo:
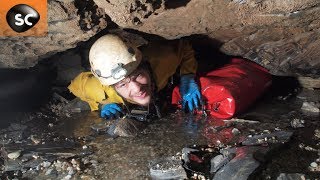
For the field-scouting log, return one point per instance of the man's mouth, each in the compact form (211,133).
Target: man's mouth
(141,94)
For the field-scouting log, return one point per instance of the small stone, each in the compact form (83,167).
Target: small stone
(76,110)
(235,131)
(67,177)
(85,161)
(310,106)
(86,177)
(35,156)
(70,171)
(14,155)
(297,123)
(65,165)
(74,162)
(266,131)
(84,147)
(314,164)
(46,164)
(317,133)
(49,171)
(277,129)
(94,162)
(50,125)
(25,159)
(291,176)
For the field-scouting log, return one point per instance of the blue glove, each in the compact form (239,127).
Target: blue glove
(110,111)
(190,93)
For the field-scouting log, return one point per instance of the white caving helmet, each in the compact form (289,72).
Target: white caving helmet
(112,59)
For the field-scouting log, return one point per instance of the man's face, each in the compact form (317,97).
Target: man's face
(136,87)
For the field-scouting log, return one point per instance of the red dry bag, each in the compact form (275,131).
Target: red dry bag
(230,89)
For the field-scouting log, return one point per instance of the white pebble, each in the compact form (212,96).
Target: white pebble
(67,177)
(235,131)
(310,106)
(48,172)
(314,164)
(46,164)
(73,162)
(14,155)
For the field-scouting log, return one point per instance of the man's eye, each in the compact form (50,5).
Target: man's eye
(122,85)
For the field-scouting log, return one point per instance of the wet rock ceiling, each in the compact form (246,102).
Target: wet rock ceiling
(280,35)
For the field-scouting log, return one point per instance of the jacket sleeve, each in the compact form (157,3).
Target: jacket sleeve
(188,64)
(89,89)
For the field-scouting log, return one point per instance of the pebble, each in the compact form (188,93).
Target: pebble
(85,160)
(310,106)
(25,159)
(74,162)
(235,131)
(46,164)
(49,171)
(317,133)
(34,139)
(67,177)
(14,155)
(86,177)
(291,176)
(266,131)
(297,123)
(35,156)
(94,162)
(314,164)
(70,171)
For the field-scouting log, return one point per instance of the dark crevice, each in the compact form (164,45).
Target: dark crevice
(207,52)
(156,4)
(169,4)
(26,89)
(62,6)
(90,16)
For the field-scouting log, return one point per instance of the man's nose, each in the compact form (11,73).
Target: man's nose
(135,86)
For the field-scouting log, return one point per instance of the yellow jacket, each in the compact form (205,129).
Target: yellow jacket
(164,58)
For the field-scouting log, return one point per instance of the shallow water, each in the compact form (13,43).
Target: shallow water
(129,158)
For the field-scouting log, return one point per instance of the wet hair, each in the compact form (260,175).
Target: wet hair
(144,64)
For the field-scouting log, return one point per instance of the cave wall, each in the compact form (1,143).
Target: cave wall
(282,35)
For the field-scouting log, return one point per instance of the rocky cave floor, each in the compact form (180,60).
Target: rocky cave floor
(278,137)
